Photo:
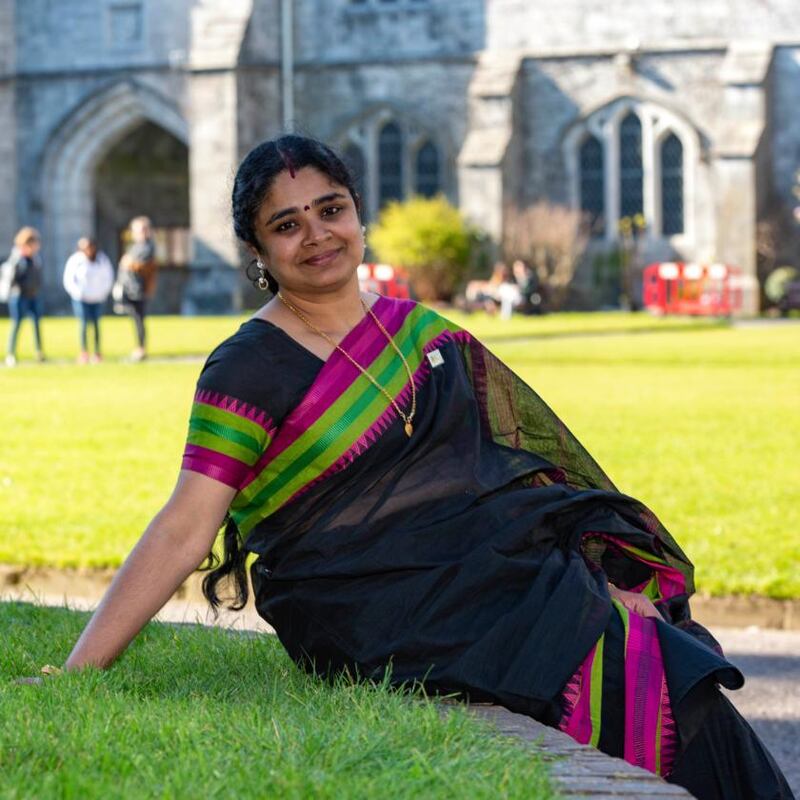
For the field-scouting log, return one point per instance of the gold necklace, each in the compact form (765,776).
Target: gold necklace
(407,418)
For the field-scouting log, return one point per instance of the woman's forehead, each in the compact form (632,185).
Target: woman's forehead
(306,185)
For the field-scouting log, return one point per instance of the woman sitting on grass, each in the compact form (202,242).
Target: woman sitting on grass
(415,507)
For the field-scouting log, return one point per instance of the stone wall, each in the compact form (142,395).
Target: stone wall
(330,31)
(8,128)
(499,86)
(578,24)
(84,80)
(101,34)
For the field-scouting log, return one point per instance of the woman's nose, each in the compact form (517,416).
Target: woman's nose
(316,231)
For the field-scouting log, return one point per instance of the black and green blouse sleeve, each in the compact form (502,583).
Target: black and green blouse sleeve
(227,434)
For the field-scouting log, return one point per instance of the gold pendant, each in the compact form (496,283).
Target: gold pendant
(409,429)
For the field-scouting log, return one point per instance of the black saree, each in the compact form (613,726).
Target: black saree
(473,556)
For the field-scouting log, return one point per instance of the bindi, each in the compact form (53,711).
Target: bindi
(306,208)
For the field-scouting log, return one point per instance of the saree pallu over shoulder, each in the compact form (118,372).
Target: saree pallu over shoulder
(343,413)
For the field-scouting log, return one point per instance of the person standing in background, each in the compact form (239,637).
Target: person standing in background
(20,285)
(137,279)
(88,276)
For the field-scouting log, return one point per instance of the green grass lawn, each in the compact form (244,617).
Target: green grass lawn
(193,712)
(192,336)
(701,424)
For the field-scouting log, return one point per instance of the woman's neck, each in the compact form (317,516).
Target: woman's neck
(334,313)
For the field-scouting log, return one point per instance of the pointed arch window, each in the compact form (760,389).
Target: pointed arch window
(631,172)
(592,183)
(390,163)
(671,186)
(353,157)
(427,170)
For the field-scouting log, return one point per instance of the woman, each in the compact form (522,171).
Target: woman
(21,281)
(137,280)
(88,276)
(415,507)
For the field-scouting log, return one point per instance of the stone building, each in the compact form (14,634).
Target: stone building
(685,112)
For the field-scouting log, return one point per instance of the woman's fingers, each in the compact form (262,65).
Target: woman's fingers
(635,602)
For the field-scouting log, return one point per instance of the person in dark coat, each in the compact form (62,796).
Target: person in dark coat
(20,286)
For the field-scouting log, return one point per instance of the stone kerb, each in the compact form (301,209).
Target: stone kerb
(580,771)
(78,146)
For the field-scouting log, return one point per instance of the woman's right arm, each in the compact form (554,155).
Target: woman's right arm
(174,545)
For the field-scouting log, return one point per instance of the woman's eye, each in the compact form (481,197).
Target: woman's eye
(329,211)
(285,226)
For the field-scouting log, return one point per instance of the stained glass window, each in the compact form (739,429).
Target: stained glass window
(630,167)
(390,163)
(592,166)
(671,186)
(427,170)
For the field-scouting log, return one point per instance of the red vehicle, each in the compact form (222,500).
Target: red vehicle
(383,279)
(699,289)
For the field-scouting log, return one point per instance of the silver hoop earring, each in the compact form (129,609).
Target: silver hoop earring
(364,230)
(263,284)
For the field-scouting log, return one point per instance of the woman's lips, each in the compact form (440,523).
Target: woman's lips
(323,258)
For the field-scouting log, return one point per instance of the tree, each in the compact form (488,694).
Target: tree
(551,239)
(430,239)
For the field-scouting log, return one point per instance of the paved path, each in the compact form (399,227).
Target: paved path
(770,698)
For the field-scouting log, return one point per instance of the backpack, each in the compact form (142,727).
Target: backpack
(8,272)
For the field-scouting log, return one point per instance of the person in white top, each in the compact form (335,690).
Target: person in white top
(88,277)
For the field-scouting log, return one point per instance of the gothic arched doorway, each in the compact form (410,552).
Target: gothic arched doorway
(147,172)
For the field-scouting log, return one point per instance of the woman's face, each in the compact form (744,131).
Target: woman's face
(30,249)
(309,232)
(140,231)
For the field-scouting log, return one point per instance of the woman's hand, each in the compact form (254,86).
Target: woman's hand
(634,601)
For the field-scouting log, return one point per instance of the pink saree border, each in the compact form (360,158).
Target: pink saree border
(576,720)
(649,742)
(370,436)
(234,406)
(215,465)
(338,374)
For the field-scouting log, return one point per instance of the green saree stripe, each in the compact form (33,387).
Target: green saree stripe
(221,445)
(596,692)
(227,433)
(623,612)
(295,468)
(341,416)
(338,429)
(644,555)
(219,416)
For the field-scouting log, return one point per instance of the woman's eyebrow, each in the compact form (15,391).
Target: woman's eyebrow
(326,198)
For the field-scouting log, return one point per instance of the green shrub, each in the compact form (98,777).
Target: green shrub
(430,239)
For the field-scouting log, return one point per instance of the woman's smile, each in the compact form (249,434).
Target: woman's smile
(323,259)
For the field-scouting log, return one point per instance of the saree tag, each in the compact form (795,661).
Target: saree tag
(435,358)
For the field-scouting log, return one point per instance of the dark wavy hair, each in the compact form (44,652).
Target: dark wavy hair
(254,179)
(258,171)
